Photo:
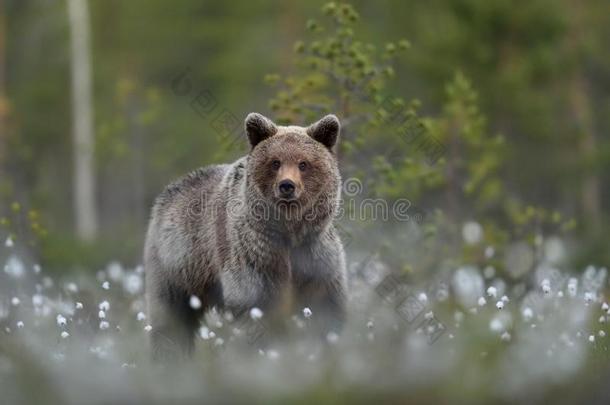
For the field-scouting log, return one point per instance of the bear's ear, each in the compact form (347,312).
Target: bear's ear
(325,131)
(259,128)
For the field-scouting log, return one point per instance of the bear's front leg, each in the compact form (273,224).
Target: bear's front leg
(174,323)
(319,278)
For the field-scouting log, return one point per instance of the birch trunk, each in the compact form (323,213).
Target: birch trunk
(84,185)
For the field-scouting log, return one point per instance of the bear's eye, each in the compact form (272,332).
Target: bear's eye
(302,166)
(275,164)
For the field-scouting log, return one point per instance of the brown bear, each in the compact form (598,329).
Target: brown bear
(248,234)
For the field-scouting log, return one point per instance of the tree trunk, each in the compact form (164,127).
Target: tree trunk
(84,185)
(4,105)
(582,112)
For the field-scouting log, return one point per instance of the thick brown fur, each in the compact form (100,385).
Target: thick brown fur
(227,235)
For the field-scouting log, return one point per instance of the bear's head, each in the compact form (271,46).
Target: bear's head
(295,167)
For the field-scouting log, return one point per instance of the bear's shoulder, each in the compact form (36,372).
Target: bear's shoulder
(196,180)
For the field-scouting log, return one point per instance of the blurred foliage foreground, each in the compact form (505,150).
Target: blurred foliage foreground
(476,299)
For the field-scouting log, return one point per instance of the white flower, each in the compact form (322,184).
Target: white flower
(219,342)
(601,333)
(306,312)
(148,328)
(592,338)
(64,335)
(37,269)
(9,242)
(605,306)
(106,285)
(101,314)
(472,232)
(195,302)
(20,325)
(79,305)
(505,299)
(482,301)
(256,313)
(505,337)
(602,319)
(492,292)
(429,315)
(104,325)
(140,316)
(61,320)
(500,304)
(15,301)
(104,306)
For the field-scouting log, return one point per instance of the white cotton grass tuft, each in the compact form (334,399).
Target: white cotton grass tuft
(14,267)
(15,301)
(101,314)
(194,302)
(37,300)
(61,320)
(422,297)
(256,313)
(589,297)
(468,286)
(307,312)
(106,285)
(482,301)
(104,325)
(72,287)
(104,306)
(20,325)
(132,283)
(148,328)
(472,232)
(527,314)
(492,292)
(141,316)
(500,304)
(546,286)
(79,305)
(572,287)
(332,337)
(64,335)
(9,242)
(489,252)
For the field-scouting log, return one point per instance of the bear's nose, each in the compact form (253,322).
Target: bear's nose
(287,188)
